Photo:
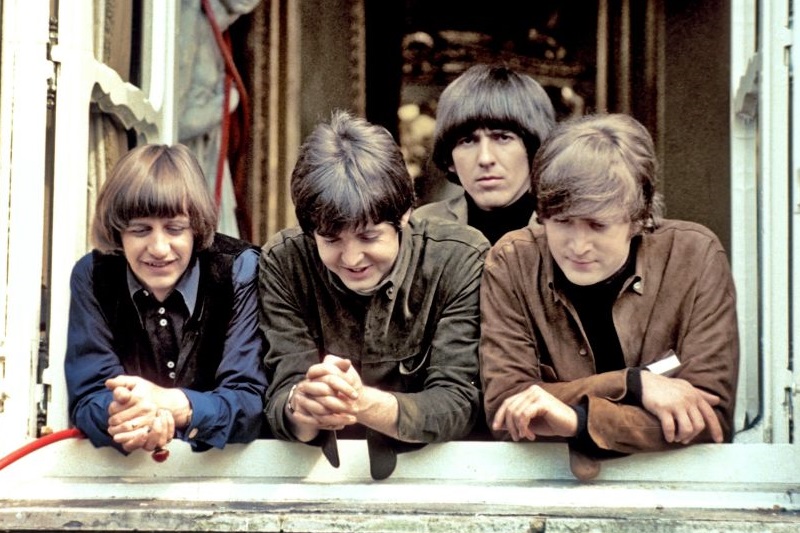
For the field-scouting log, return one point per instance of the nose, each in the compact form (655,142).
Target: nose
(485,151)
(579,241)
(158,245)
(351,254)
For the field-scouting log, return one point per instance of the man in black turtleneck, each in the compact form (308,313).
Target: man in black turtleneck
(605,325)
(490,122)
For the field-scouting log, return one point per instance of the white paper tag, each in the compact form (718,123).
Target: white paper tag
(665,366)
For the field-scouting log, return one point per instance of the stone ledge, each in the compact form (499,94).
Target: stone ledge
(167,515)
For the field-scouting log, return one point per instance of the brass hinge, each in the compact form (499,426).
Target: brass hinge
(3,394)
(51,80)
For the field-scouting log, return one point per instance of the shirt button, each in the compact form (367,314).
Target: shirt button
(637,286)
(161,310)
(170,364)
(192,433)
(162,322)
(582,352)
(171,375)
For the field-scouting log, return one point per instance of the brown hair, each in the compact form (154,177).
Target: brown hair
(596,164)
(350,173)
(154,180)
(493,97)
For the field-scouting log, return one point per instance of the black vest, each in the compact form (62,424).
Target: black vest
(204,332)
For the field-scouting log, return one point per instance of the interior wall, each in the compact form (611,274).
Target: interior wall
(329,76)
(696,113)
(338,62)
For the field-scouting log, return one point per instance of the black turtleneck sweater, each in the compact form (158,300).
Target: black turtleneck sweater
(593,304)
(497,222)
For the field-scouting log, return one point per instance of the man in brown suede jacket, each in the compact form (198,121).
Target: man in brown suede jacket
(607,325)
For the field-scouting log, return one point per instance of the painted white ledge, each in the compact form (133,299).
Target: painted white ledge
(521,475)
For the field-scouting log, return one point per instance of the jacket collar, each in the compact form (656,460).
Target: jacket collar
(635,281)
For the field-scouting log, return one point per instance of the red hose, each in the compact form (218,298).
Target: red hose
(40,442)
(159,455)
(232,77)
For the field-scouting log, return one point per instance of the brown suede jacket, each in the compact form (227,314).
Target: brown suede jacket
(681,297)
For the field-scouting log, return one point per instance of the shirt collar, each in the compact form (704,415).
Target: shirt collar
(403,261)
(187,285)
(638,275)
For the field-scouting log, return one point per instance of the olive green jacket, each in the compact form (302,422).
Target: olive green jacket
(454,209)
(416,336)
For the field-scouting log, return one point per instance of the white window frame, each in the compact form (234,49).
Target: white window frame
(79,81)
(760,470)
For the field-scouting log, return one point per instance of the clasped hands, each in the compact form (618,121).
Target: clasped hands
(327,398)
(683,410)
(136,418)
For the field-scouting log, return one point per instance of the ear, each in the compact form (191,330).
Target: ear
(404,219)
(635,229)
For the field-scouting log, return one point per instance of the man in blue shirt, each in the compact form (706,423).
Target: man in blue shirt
(163,339)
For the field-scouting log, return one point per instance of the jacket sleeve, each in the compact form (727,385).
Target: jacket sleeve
(509,360)
(449,404)
(708,347)
(90,359)
(291,348)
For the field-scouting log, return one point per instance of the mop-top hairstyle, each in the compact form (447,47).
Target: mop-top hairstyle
(154,180)
(495,98)
(350,173)
(595,165)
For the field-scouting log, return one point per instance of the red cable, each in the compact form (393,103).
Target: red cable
(159,455)
(223,43)
(223,143)
(40,442)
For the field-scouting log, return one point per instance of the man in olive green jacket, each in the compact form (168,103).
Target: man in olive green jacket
(371,316)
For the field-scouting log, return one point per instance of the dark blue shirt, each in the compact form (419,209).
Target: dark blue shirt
(231,412)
